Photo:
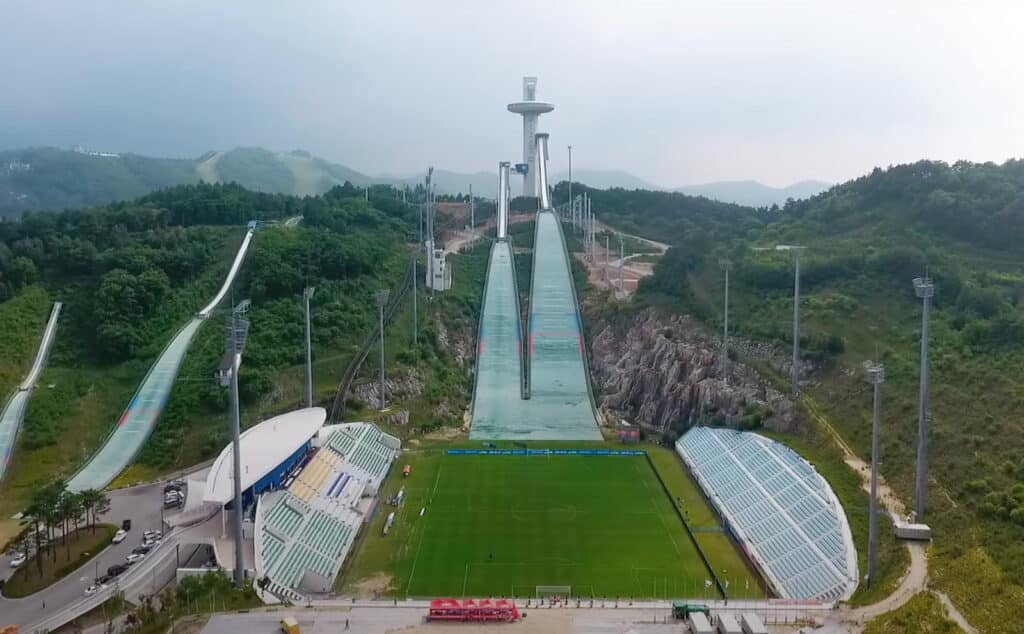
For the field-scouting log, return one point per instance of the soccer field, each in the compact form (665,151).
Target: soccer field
(500,525)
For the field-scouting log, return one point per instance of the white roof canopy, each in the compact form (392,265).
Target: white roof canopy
(263,447)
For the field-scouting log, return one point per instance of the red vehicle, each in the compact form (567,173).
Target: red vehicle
(500,611)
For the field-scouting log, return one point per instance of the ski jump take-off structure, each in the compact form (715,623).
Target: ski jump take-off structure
(537,387)
(530,109)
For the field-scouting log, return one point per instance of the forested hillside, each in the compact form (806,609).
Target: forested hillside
(963,225)
(130,274)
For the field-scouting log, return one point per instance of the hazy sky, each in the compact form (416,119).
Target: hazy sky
(675,92)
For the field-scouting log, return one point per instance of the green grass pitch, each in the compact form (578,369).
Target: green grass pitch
(494,525)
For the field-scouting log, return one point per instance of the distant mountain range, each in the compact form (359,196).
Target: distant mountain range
(53,178)
(753,193)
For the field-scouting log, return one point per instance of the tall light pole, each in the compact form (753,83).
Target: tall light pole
(415,308)
(622,263)
(795,370)
(925,289)
(307,295)
(237,334)
(726,265)
(876,376)
(570,179)
(381,297)
(429,213)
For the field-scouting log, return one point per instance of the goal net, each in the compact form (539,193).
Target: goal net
(554,592)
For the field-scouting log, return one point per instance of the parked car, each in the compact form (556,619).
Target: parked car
(119,536)
(18,560)
(151,543)
(152,534)
(104,580)
(141,550)
(135,557)
(116,569)
(174,486)
(126,525)
(91,590)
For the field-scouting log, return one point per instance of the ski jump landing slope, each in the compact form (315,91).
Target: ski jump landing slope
(141,416)
(560,406)
(14,410)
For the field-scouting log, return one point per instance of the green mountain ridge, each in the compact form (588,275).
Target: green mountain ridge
(49,178)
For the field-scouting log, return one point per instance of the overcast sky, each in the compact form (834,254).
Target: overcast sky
(675,92)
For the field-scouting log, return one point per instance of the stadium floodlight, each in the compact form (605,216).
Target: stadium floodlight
(925,289)
(795,369)
(307,294)
(725,265)
(237,335)
(381,297)
(876,376)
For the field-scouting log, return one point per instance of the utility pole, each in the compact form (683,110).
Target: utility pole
(472,209)
(925,289)
(726,265)
(381,297)
(307,295)
(876,376)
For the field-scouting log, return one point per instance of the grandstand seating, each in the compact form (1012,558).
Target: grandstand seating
(312,524)
(780,507)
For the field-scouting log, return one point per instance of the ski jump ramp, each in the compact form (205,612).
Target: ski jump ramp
(558,404)
(17,403)
(140,417)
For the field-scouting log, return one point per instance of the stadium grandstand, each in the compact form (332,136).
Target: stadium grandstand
(783,513)
(305,529)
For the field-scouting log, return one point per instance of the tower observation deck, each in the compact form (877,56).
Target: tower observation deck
(530,109)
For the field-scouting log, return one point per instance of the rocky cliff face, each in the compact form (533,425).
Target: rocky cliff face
(664,372)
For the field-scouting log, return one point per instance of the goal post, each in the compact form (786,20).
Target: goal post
(561,592)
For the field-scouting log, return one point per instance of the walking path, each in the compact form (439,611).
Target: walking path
(915,579)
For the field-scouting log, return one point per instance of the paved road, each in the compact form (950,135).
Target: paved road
(142,505)
(382,617)
(14,410)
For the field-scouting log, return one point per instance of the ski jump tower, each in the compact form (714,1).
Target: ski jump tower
(530,109)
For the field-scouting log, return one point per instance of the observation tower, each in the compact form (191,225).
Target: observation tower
(530,109)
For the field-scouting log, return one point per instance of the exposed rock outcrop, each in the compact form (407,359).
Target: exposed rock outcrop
(397,388)
(664,373)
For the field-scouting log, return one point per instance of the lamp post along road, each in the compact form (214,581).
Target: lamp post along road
(876,376)
(925,289)
(381,297)
(307,295)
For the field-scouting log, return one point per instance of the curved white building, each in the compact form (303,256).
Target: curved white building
(782,511)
